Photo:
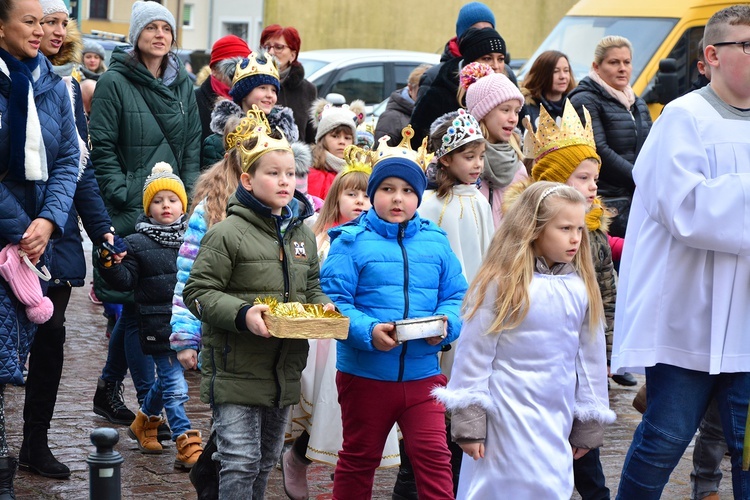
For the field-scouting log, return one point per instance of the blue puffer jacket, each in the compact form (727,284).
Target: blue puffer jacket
(22,201)
(67,263)
(377,272)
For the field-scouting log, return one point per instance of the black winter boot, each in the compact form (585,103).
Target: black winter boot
(205,473)
(164,433)
(406,485)
(36,457)
(7,473)
(109,403)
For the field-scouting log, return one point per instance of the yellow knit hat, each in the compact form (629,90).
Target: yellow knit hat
(162,179)
(559,164)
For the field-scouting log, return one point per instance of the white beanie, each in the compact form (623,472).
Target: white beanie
(53,7)
(144,13)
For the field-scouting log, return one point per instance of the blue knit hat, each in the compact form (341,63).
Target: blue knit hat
(472,13)
(400,167)
(253,71)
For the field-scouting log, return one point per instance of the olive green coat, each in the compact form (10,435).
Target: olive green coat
(241,259)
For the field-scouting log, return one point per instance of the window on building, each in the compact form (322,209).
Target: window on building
(238,29)
(187,15)
(98,9)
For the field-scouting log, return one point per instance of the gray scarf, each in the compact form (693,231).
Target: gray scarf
(334,163)
(170,236)
(500,165)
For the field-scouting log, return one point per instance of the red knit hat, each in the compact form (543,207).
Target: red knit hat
(228,46)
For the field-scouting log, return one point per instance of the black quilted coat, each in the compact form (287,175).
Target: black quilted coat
(619,133)
(150,270)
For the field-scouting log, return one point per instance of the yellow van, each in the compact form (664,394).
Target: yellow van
(658,29)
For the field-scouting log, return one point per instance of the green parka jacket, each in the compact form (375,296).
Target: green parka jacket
(136,121)
(241,258)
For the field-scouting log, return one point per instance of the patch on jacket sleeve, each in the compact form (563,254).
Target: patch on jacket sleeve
(299,250)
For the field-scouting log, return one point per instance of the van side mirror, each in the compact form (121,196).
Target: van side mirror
(666,84)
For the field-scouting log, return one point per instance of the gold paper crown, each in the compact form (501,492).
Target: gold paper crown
(421,157)
(255,124)
(253,65)
(549,136)
(358,160)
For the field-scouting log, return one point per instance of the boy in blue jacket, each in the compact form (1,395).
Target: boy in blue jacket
(389,265)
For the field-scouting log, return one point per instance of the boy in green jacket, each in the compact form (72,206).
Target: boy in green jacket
(261,249)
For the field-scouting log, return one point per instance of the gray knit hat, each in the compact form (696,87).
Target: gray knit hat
(144,13)
(93,47)
(53,7)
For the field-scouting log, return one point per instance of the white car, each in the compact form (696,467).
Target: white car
(367,74)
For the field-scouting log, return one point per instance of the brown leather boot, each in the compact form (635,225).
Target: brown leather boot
(189,449)
(144,430)
(639,402)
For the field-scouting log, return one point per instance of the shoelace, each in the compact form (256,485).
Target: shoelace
(117,400)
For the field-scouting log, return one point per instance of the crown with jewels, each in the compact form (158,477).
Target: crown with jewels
(358,159)
(255,125)
(255,64)
(464,128)
(550,136)
(421,157)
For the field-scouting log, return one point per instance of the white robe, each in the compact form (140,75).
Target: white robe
(318,411)
(534,379)
(683,297)
(466,218)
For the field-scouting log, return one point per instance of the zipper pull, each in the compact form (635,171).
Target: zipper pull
(182,110)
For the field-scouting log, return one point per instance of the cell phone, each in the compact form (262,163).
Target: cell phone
(108,246)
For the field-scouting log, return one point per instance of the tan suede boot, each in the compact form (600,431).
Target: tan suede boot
(189,449)
(144,430)
(639,402)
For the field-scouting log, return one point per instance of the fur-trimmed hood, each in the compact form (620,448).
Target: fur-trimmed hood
(280,116)
(597,218)
(72,48)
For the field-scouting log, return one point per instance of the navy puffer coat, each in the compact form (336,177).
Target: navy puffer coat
(23,201)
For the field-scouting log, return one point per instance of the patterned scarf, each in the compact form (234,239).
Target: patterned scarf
(167,235)
(28,156)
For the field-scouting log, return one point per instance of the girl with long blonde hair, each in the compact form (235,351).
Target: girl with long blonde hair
(531,360)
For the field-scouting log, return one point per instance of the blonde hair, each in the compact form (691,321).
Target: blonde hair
(416,74)
(610,42)
(330,213)
(219,182)
(509,263)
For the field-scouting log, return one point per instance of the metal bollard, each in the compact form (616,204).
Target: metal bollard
(104,465)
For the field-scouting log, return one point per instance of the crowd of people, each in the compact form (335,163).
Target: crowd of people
(500,215)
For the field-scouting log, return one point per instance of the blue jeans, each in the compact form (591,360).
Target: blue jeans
(708,453)
(125,352)
(249,441)
(677,400)
(170,391)
(588,477)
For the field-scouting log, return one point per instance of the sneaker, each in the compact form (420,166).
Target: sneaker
(92,296)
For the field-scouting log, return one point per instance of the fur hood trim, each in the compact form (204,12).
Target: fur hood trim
(72,48)
(464,398)
(302,158)
(280,116)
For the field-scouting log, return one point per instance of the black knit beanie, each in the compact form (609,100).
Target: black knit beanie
(479,42)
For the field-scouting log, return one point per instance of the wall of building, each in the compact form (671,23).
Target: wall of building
(423,25)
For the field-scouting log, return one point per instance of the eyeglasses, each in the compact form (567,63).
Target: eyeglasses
(278,47)
(745,45)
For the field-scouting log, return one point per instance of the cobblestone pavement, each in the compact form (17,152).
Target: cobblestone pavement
(154,475)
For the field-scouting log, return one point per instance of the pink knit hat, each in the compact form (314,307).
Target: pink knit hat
(490,91)
(25,284)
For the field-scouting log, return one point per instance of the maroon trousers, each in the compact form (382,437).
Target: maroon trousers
(369,408)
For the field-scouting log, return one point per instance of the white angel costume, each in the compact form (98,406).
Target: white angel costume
(466,217)
(530,383)
(318,411)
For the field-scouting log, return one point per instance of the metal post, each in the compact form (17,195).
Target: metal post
(104,465)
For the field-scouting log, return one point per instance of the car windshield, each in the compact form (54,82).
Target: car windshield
(577,37)
(311,65)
